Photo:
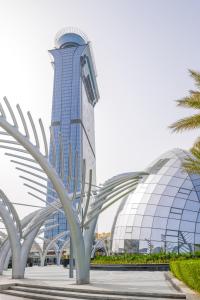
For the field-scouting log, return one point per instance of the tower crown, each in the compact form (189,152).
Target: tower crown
(69,37)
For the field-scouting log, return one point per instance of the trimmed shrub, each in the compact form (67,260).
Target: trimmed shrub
(188,271)
(143,258)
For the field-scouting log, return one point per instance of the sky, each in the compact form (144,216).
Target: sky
(143,50)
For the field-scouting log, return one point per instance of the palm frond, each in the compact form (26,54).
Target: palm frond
(186,123)
(197,144)
(196,76)
(191,165)
(192,101)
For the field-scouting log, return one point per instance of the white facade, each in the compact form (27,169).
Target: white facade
(163,213)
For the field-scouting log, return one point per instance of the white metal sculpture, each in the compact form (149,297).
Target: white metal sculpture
(41,230)
(81,229)
(51,243)
(31,226)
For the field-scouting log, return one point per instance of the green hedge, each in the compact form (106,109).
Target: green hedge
(143,259)
(188,271)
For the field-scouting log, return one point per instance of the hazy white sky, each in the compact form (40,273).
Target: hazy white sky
(142,49)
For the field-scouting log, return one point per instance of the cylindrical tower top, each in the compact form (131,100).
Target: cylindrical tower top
(70,36)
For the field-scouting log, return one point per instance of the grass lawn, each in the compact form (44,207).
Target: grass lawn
(187,271)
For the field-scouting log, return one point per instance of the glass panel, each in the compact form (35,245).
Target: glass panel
(175,181)
(131,246)
(136,233)
(176,210)
(147,221)
(144,248)
(159,189)
(189,215)
(150,178)
(180,173)
(187,226)
(198,219)
(179,202)
(184,191)
(145,198)
(141,209)
(165,179)
(157,234)
(197,227)
(191,205)
(157,246)
(122,232)
(193,196)
(145,233)
(173,224)
(194,176)
(159,222)
(150,210)
(135,198)
(171,171)
(171,191)
(186,237)
(142,188)
(197,239)
(156,178)
(196,181)
(181,195)
(121,244)
(150,188)
(130,220)
(127,208)
(188,185)
(129,229)
(172,239)
(127,236)
(162,211)
(154,199)
(175,216)
(172,232)
(138,220)
(154,169)
(166,200)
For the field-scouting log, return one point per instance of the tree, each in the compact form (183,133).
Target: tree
(192,163)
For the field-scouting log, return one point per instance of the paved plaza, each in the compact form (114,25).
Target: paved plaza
(117,280)
(130,281)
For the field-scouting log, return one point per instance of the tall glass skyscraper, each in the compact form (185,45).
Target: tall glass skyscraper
(75,94)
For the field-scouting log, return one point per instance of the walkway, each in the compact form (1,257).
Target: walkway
(131,281)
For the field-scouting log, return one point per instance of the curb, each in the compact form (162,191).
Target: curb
(181,287)
(130,267)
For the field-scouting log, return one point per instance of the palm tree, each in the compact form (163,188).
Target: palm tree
(191,164)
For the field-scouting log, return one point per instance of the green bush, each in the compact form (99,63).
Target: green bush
(144,258)
(188,271)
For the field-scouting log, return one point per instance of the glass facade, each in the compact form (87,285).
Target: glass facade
(75,94)
(163,213)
